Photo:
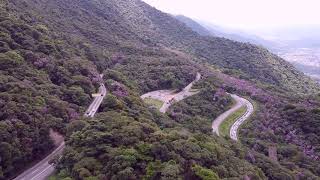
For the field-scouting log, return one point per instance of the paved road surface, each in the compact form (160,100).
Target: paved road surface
(234,128)
(245,116)
(217,122)
(93,108)
(168,97)
(43,169)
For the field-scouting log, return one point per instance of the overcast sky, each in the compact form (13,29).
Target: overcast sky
(246,14)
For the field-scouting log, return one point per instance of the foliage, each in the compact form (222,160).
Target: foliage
(39,91)
(51,55)
(205,174)
(118,144)
(197,112)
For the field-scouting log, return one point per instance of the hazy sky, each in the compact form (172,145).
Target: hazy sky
(246,14)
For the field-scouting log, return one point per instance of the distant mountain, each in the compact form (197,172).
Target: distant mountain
(237,35)
(300,46)
(205,28)
(306,60)
(313,71)
(288,43)
(195,26)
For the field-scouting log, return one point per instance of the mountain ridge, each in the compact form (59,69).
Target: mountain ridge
(148,26)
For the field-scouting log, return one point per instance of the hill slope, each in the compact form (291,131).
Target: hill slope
(195,26)
(136,24)
(52,53)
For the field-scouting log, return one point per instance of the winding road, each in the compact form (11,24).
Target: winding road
(43,169)
(234,128)
(245,116)
(168,97)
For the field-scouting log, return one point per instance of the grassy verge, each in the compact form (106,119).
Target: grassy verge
(153,102)
(225,126)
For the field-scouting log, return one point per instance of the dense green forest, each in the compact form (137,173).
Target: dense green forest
(41,88)
(52,53)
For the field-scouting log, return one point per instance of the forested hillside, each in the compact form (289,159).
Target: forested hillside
(42,87)
(52,52)
(136,25)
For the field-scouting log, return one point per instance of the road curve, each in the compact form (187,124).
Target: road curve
(234,128)
(239,121)
(43,169)
(217,122)
(168,97)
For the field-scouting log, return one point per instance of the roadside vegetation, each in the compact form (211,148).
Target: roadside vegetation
(198,111)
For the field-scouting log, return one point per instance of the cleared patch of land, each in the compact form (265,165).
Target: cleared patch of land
(168,97)
(153,102)
(225,127)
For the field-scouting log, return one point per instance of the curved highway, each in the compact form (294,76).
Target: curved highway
(234,128)
(43,169)
(168,97)
(239,121)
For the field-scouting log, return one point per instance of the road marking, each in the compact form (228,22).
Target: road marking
(41,172)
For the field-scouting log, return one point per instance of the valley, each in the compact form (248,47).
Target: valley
(300,48)
(306,60)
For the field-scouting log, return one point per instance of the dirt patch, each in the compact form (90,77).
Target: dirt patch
(56,137)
